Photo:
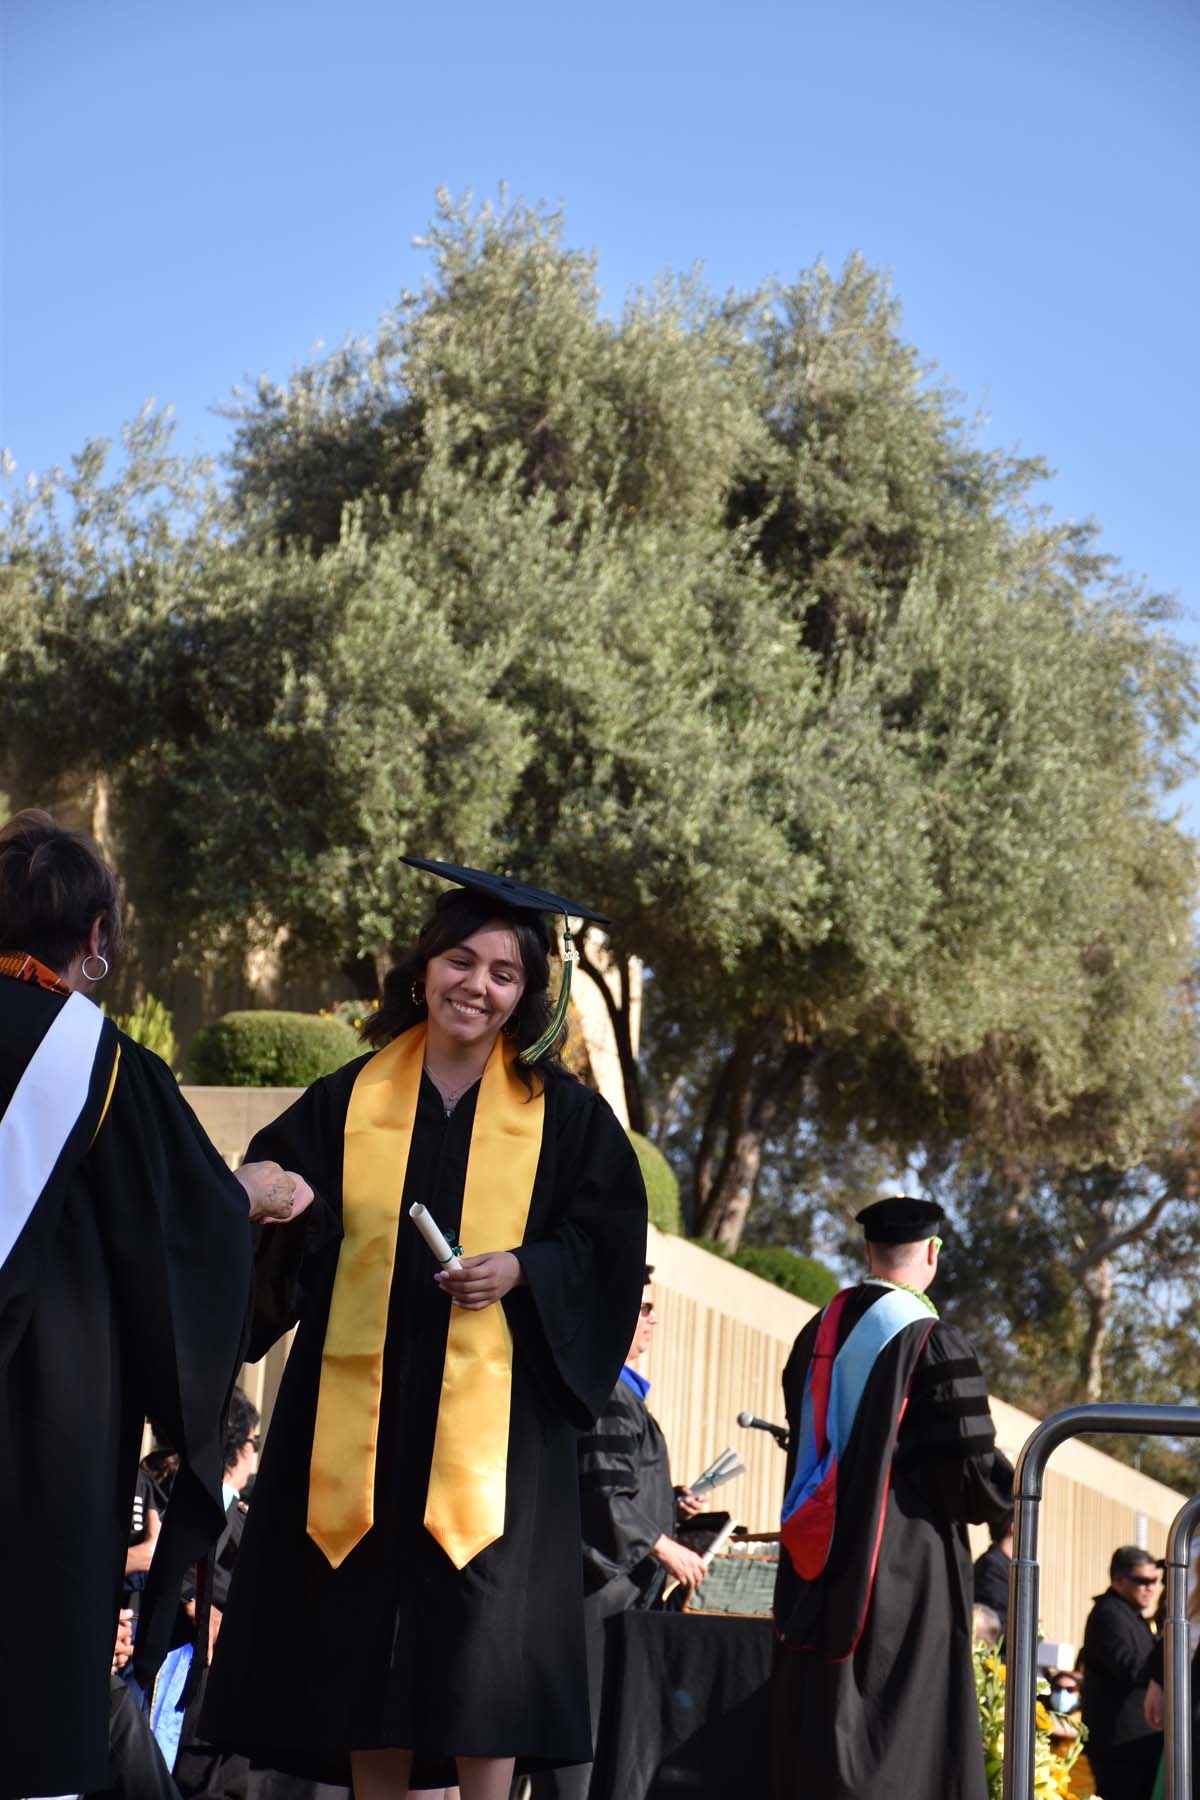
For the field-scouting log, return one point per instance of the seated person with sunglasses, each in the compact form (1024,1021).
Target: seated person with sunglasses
(1118,1647)
(628,1512)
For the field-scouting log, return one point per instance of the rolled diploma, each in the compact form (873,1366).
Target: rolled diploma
(714,1549)
(423,1221)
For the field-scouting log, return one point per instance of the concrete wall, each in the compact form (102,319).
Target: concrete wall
(722,1343)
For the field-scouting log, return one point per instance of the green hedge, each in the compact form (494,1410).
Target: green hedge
(803,1276)
(662,1185)
(271,1049)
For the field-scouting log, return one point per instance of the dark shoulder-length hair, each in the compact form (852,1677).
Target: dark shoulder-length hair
(457,916)
(53,884)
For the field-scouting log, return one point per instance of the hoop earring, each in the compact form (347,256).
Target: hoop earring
(417,999)
(102,960)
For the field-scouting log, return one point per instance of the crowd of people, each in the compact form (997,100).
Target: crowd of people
(1116,1692)
(464,1483)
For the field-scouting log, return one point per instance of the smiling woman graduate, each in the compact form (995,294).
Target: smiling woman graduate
(410,1581)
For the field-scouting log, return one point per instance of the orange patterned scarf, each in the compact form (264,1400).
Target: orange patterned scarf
(20,967)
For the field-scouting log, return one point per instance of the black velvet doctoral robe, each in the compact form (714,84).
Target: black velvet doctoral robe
(126,1294)
(627,1503)
(896,1717)
(397,1648)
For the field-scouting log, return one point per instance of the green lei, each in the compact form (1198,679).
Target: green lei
(916,1293)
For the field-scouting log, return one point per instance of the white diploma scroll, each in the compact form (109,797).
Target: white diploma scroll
(714,1549)
(443,1254)
(722,1469)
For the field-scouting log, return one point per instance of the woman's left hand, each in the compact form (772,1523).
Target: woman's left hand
(482,1280)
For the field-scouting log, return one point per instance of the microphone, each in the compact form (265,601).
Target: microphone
(748,1422)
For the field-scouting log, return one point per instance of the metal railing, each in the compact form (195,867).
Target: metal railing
(1020,1718)
(1177,1658)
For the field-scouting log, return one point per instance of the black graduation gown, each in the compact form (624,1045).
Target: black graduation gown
(897,1717)
(126,1295)
(627,1503)
(396,1648)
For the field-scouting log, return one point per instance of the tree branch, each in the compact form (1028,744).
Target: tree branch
(1117,1240)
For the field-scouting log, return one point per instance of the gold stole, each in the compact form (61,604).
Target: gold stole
(464,1508)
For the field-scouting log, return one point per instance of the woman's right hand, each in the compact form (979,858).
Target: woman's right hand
(276,1195)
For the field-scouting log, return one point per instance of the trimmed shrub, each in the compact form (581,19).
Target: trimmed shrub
(803,1276)
(271,1049)
(662,1185)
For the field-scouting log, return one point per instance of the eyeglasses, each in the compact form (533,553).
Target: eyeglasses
(937,1245)
(647,1309)
(1143,1580)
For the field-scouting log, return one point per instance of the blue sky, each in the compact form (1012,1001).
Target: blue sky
(196,193)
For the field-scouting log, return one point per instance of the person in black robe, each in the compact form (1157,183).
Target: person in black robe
(124,1290)
(396,1659)
(873,1687)
(629,1510)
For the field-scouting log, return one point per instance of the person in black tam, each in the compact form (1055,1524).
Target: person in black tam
(892,1454)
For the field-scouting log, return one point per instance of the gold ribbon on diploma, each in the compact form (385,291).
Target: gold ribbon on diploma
(465,1502)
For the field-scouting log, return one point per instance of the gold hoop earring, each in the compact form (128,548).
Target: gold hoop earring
(418,999)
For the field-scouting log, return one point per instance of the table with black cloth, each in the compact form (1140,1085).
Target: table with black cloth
(685,1707)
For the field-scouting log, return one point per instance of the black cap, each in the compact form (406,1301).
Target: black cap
(507,891)
(517,894)
(900,1220)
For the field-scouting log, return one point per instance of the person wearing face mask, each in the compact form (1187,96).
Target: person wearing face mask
(408,1601)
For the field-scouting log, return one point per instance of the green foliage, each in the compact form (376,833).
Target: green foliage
(662,1185)
(151,1024)
(271,1049)
(804,1276)
(353,1013)
(715,612)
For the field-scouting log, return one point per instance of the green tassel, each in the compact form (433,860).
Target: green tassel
(554,1029)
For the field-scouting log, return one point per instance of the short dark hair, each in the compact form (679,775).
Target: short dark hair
(53,884)
(649,1276)
(457,916)
(1000,1530)
(241,1424)
(1128,1558)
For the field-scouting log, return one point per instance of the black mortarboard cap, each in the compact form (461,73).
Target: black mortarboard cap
(900,1220)
(524,898)
(506,890)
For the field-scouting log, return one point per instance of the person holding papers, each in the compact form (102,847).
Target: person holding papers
(409,1589)
(124,1290)
(628,1511)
